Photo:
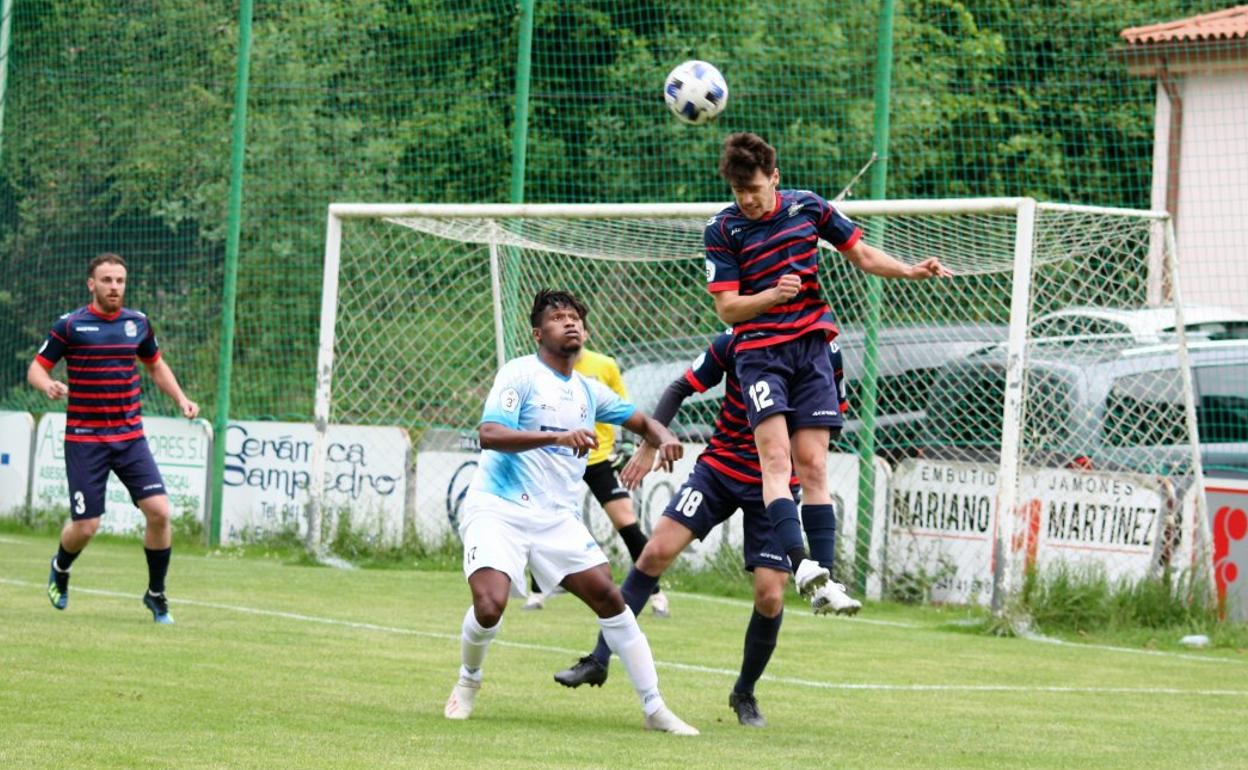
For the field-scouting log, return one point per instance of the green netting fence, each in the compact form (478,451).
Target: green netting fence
(116,135)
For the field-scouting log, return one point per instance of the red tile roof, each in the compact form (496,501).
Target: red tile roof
(1229,24)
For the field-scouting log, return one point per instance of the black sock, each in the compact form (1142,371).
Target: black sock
(760,642)
(634,540)
(65,559)
(637,588)
(819,521)
(157,568)
(533,586)
(782,512)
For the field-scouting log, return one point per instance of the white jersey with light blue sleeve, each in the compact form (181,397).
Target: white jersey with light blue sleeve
(528,395)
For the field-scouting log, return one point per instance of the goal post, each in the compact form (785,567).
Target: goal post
(994,385)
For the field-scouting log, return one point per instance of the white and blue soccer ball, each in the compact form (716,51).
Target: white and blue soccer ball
(695,92)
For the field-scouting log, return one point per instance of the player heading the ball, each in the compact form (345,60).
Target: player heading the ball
(762,268)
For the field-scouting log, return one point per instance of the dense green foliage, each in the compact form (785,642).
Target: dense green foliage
(116,133)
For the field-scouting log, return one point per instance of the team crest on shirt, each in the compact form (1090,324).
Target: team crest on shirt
(131,329)
(584,412)
(509,399)
(710,270)
(795,209)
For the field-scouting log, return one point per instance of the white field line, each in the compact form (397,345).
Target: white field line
(1030,637)
(722,672)
(748,604)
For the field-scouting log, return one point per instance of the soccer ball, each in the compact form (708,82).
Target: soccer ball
(695,92)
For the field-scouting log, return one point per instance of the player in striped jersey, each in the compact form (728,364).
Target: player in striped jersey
(762,268)
(727,476)
(104,426)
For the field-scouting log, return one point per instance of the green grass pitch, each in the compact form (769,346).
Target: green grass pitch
(272,665)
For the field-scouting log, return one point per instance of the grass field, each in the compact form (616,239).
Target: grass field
(274,665)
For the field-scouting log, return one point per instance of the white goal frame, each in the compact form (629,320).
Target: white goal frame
(1006,576)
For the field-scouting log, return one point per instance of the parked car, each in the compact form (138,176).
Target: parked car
(908,359)
(1098,403)
(1142,325)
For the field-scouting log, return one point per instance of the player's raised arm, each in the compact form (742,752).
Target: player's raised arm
(875,261)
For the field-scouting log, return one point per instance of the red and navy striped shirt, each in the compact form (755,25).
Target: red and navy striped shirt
(749,256)
(105,404)
(731,450)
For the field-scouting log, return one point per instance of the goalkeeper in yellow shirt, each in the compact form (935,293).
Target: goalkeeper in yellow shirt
(601,477)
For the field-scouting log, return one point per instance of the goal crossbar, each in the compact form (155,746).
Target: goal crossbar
(678,210)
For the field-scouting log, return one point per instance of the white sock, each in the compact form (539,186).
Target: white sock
(474,640)
(626,640)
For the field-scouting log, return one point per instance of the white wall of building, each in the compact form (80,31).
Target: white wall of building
(1212,226)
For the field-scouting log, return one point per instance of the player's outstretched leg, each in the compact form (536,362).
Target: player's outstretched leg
(592,669)
(635,541)
(819,521)
(624,637)
(474,641)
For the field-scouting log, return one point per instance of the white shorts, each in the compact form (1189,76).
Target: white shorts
(494,537)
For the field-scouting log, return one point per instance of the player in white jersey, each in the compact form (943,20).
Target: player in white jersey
(522,506)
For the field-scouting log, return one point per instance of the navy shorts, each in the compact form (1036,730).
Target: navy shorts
(708,499)
(604,483)
(87,467)
(793,378)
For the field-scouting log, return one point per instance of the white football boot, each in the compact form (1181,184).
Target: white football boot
(810,577)
(665,721)
(459,705)
(831,598)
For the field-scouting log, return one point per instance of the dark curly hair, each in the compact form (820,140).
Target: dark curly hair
(743,154)
(554,298)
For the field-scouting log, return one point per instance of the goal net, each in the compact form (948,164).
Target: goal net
(1034,412)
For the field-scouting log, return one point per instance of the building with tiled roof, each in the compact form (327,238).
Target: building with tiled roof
(1200,144)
